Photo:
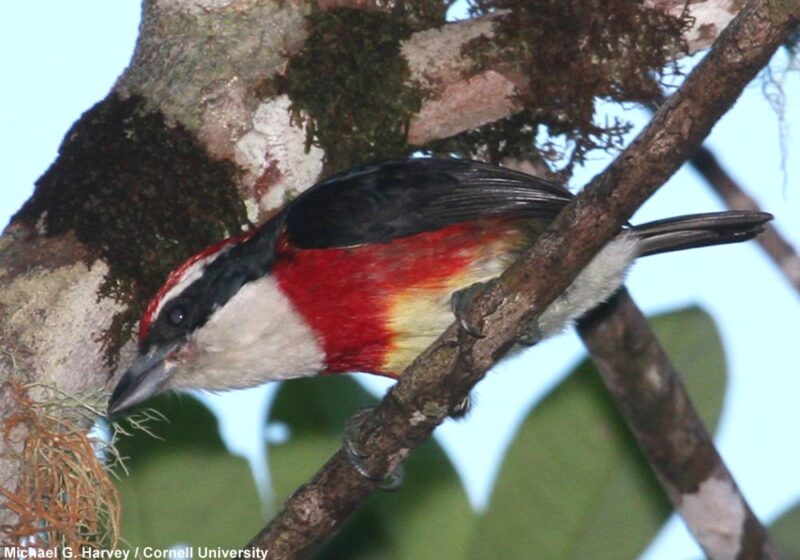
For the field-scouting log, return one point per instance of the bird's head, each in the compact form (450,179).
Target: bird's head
(217,323)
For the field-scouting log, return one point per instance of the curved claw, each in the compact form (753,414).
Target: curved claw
(461,409)
(394,480)
(461,303)
(529,335)
(356,456)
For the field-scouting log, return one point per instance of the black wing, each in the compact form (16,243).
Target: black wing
(379,202)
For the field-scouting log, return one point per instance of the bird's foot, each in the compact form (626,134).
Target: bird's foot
(461,305)
(529,334)
(462,408)
(356,456)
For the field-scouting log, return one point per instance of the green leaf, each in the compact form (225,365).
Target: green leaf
(186,488)
(574,483)
(429,517)
(785,533)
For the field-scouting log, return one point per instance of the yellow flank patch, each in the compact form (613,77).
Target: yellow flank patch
(417,317)
(419,314)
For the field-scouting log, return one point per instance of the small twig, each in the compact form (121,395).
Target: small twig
(652,398)
(772,241)
(774,244)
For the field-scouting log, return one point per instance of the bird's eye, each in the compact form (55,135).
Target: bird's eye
(176,316)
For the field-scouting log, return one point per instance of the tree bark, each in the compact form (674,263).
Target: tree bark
(194,91)
(657,408)
(445,373)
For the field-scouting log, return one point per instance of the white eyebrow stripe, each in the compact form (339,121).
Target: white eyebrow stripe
(190,275)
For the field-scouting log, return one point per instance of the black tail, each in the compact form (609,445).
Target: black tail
(699,230)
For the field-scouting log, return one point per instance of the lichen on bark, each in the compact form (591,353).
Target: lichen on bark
(140,195)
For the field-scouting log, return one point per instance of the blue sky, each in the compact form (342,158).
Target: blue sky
(58,58)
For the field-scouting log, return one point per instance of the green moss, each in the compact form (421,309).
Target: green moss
(141,195)
(510,137)
(351,81)
(573,53)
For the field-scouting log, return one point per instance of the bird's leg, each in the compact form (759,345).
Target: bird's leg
(356,455)
(461,304)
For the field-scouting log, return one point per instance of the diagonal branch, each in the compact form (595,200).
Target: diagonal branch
(443,375)
(657,408)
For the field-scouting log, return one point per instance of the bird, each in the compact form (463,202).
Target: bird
(365,269)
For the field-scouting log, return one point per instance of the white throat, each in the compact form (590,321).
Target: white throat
(256,337)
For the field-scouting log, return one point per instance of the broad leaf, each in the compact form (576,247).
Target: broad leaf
(427,518)
(574,483)
(785,533)
(186,489)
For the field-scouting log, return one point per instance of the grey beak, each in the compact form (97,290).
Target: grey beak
(144,379)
